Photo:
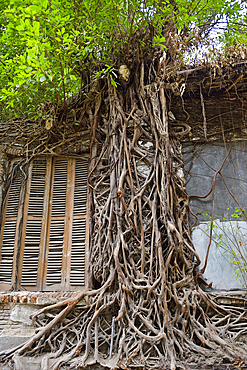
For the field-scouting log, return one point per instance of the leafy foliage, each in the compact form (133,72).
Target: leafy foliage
(47,47)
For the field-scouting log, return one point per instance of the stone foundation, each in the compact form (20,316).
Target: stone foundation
(15,310)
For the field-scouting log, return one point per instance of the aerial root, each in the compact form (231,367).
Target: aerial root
(143,303)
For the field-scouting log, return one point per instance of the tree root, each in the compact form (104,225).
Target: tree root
(142,261)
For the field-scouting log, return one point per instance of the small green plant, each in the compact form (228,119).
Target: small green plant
(108,71)
(230,234)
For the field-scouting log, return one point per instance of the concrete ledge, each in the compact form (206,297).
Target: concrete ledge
(12,341)
(39,298)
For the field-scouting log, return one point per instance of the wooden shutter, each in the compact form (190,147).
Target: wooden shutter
(52,253)
(77,262)
(55,241)
(32,225)
(9,229)
(67,226)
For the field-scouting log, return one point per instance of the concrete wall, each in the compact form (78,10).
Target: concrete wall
(201,163)
(15,325)
(15,310)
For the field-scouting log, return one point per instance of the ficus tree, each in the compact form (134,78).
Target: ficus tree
(110,59)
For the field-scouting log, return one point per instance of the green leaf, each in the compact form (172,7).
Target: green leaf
(35,8)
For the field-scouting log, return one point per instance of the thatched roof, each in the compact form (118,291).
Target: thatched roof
(214,101)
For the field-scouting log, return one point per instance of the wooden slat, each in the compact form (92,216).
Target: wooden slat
(68,223)
(18,264)
(59,188)
(44,227)
(31,253)
(14,194)
(36,197)
(55,253)
(7,252)
(9,228)
(77,262)
(32,224)
(80,194)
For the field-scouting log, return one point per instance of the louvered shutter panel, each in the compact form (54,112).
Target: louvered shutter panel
(77,262)
(9,229)
(52,252)
(33,225)
(56,235)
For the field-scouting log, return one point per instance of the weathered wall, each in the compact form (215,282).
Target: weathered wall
(15,325)
(15,310)
(201,163)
